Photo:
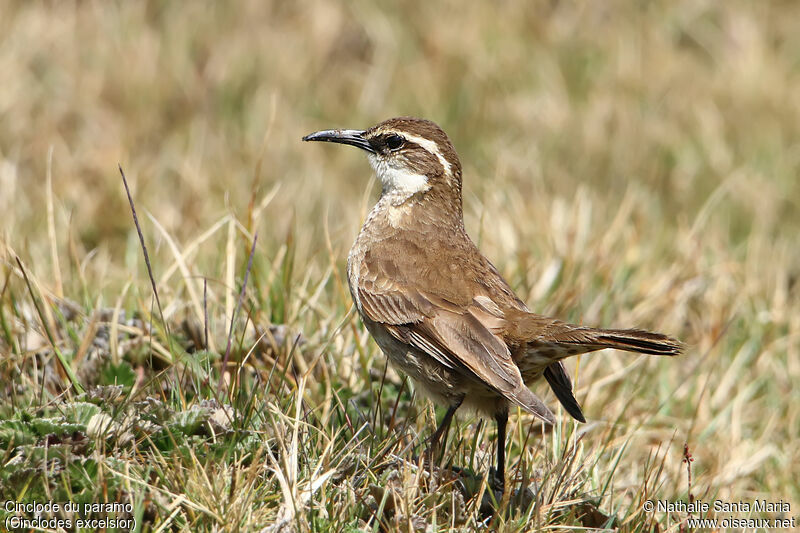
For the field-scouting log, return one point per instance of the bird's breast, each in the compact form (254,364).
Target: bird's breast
(382,223)
(354,260)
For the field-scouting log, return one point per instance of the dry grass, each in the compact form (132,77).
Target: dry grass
(625,164)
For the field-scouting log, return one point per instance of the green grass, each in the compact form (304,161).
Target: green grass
(630,164)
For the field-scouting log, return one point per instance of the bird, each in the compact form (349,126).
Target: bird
(438,308)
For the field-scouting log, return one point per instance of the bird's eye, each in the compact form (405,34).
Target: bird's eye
(394,142)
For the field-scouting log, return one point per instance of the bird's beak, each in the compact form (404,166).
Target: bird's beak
(351,137)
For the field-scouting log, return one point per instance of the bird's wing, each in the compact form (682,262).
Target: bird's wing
(462,338)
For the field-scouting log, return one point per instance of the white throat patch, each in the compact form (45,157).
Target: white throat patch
(398,182)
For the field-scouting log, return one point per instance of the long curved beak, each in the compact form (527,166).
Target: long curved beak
(351,137)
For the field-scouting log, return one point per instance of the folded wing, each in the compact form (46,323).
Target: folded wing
(462,338)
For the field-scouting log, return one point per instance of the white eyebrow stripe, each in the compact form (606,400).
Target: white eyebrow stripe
(430,146)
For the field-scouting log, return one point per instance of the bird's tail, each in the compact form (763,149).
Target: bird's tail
(557,339)
(573,339)
(544,342)
(632,340)
(577,340)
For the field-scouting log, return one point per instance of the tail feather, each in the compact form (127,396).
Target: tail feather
(629,340)
(559,381)
(547,341)
(538,330)
(635,340)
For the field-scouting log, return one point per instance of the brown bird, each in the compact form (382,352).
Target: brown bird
(438,309)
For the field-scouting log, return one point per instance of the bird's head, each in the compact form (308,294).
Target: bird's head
(409,155)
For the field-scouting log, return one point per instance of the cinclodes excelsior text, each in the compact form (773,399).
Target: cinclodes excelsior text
(438,309)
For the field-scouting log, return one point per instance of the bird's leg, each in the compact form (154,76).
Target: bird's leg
(442,429)
(502,419)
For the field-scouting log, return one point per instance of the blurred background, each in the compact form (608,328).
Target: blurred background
(625,163)
(202,101)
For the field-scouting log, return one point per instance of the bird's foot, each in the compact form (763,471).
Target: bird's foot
(496,482)
(496,497)
(493,495)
